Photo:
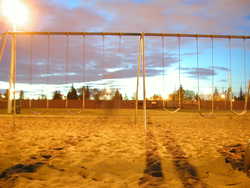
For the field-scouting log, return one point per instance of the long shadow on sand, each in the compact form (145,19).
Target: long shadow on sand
(9,176)
(20,168)
(186,171)
(235,155)
(153,175)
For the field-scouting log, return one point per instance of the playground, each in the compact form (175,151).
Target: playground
(90,128)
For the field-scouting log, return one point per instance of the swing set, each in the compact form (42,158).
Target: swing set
(230,90)
(141,69)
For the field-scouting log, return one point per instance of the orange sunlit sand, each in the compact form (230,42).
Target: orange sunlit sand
(97,149)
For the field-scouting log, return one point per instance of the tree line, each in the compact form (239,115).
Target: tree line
(191,95)
(88,93)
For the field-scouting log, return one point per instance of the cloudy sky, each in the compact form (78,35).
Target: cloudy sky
(45,64)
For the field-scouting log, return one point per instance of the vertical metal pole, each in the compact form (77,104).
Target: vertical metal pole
(137,83)
(179,70)
(4,40)
(66,68)
(11,99)
(14,81)
(144,80)
(245,74)
(198,74)
(48,63)
(84,69)
(31,69)
(230,75)
(163,71)
(212,40)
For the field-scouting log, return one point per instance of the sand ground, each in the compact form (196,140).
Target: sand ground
(105,149)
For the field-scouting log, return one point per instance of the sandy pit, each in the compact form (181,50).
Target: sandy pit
(107,150)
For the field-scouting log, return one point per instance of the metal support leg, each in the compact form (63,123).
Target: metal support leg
(144,80)
(137,83)
(11,98)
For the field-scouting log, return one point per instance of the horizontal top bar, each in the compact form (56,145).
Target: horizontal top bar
(131,34)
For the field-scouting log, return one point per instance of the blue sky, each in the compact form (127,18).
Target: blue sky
(68,4)
(117,66)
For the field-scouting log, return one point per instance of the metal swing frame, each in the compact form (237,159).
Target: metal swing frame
(141,61)
(83,70)
(31,72)
(210,114)
(230,88)
(179,74)
(48,69)
(83,59)
(4,42)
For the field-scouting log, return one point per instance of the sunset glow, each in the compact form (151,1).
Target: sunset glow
(15,11)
